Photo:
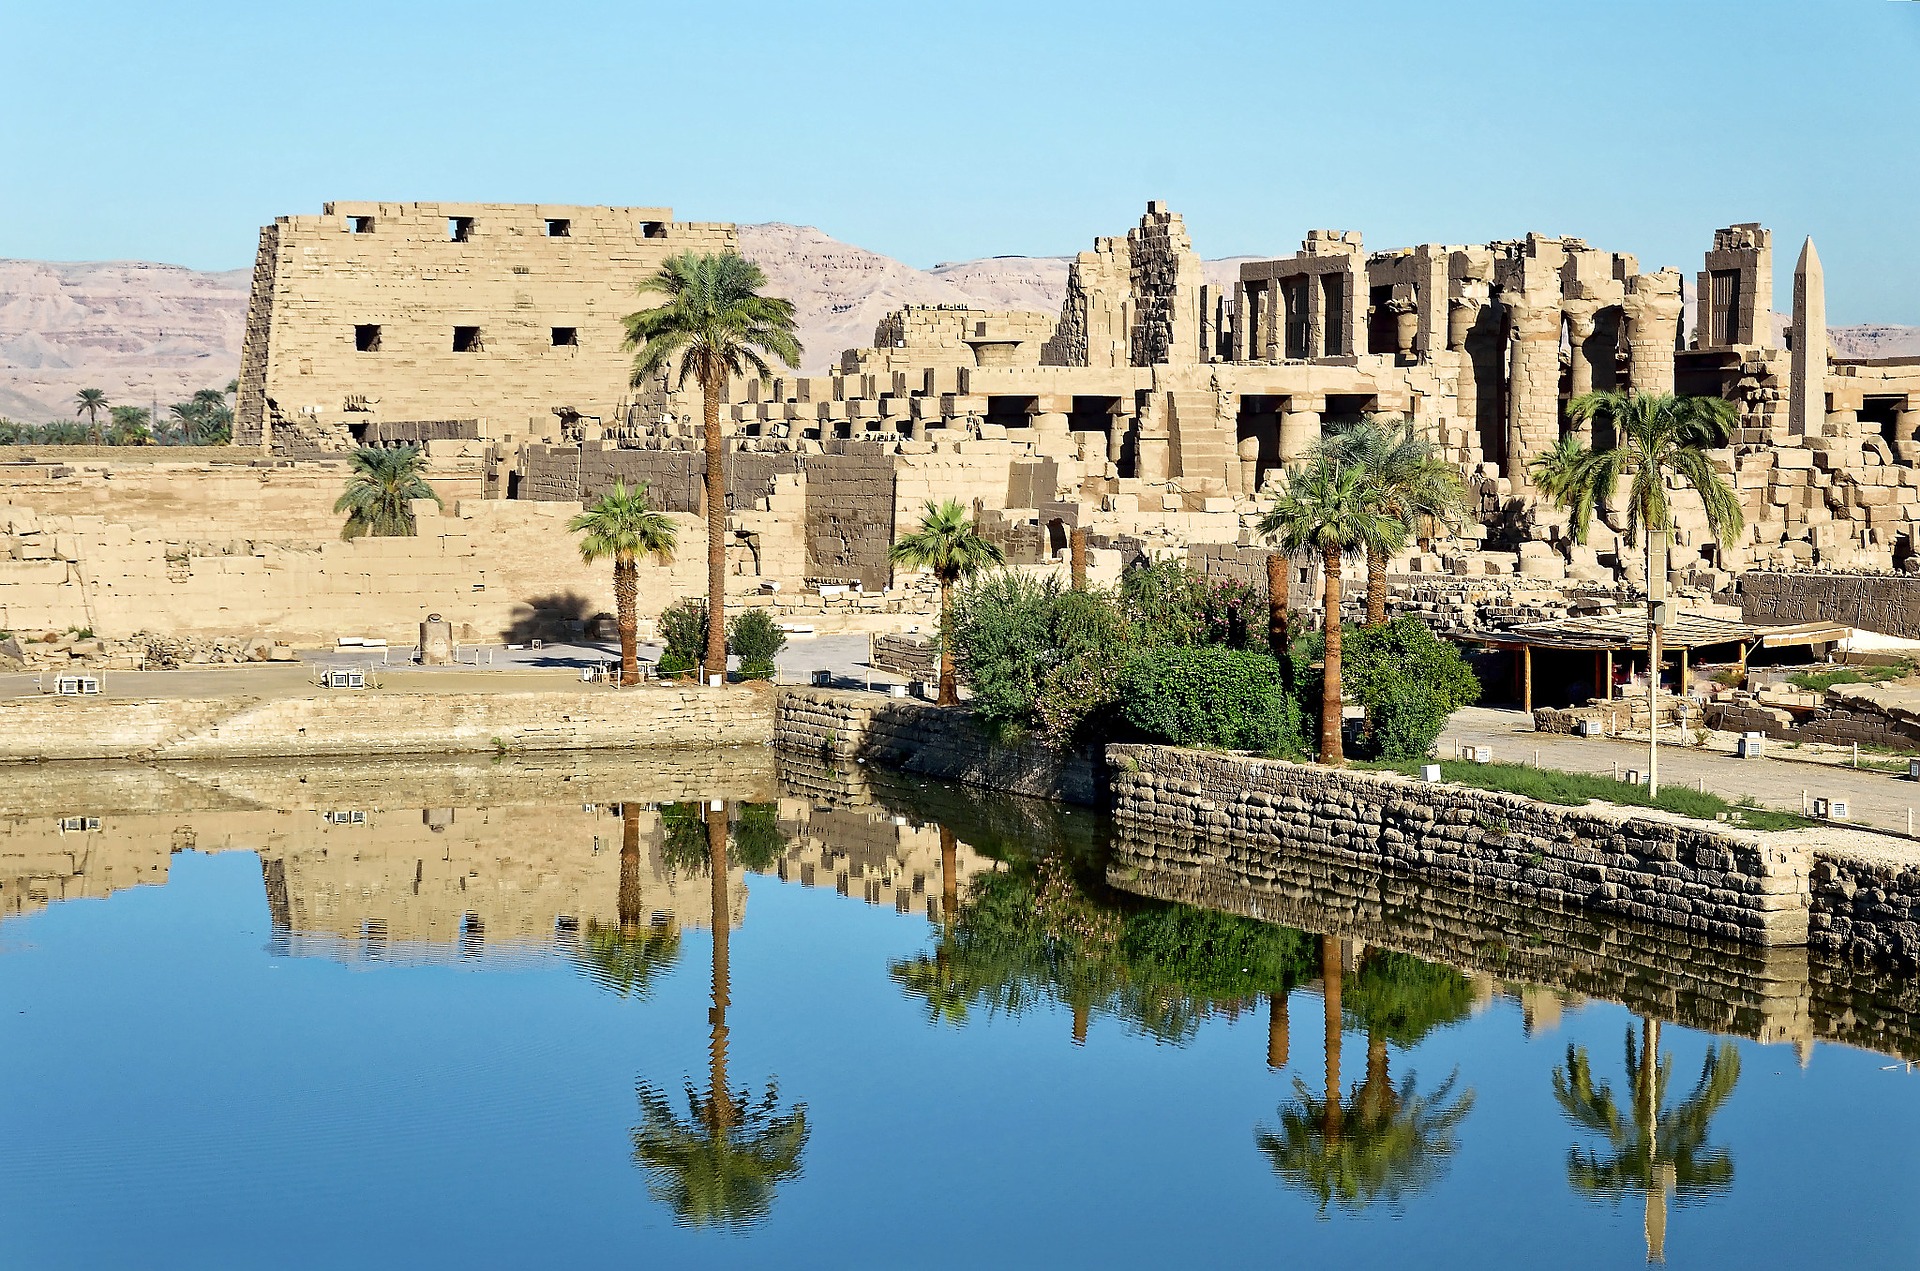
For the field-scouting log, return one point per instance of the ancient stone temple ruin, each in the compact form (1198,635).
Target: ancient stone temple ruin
(1154,412)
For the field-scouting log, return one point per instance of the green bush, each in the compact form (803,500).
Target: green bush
(1409,680)
(755,639)
(1212,697)
(1036,654)
(1173,605)
(674,664)
(683,629)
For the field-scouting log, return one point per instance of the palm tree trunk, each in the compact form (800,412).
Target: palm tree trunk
(1279,592)
(1377,1090)
(949,682)
(1080,1016)
(712,385)
(1330,694)
(1277,1030)
(629,901)
(719,1097)
(1330,995)
(626,606)
(1376,587)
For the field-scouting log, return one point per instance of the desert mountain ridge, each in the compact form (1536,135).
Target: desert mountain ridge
(146,332)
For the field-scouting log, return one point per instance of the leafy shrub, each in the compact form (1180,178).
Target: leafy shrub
(1037,654)
(1212,697)
(683,628)
(1409,680)
(1172,605)
(755,639)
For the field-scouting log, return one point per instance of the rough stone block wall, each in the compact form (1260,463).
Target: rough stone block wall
(931,741)
(1656,869)
(911,656)
(1866,906)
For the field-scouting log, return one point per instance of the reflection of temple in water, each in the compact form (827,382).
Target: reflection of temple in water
(480,860)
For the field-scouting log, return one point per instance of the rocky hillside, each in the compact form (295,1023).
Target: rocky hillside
(141,331)
(135,329)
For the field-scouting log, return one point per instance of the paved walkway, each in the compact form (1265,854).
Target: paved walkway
(1877,799)
(499,669)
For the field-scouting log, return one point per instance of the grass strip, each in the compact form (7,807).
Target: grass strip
(1573,789)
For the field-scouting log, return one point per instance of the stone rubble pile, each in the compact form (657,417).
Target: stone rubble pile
(63,650)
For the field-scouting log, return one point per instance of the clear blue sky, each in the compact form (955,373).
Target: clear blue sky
(934,131)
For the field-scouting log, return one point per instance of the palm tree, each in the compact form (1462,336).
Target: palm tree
(1331,508)
(1652,1151)
(948,545)
(623,525)
(722,1164)
(381,491)
(1380,1144)
(715,322)
(91,402)
(1409,481)
(131,426)
(1649,440)
(1279,592)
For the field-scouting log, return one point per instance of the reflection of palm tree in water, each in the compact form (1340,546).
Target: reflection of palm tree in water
(1385,1141)
(1651,1151)
(721,1165)
(626,957)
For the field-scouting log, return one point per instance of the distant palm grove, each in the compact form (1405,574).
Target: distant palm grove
(205,419)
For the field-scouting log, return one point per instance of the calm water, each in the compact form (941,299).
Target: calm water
(477,1016)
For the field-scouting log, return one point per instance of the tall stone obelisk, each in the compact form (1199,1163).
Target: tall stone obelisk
(1807,403)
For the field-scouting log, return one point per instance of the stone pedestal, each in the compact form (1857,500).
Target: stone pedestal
(436,641)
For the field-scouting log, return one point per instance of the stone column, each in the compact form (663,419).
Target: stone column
(1462,311)
(1249,452)
(1273,324)
(1155,444)
(1653,330)
(1406,325)
(1299,426)
(1580,322)
(1242,320)
(1533,391)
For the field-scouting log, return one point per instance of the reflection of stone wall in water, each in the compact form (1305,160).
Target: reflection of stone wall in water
(1773,995)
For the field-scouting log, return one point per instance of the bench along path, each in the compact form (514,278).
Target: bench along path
(1877,799)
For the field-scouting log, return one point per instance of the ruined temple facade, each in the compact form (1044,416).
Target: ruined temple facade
(1152,408)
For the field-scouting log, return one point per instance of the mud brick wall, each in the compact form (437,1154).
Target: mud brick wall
(1729,884)
(850,516)
(1887,603)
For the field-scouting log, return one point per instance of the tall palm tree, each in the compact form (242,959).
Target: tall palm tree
(1647,440)
(1652,1151)
(1377,1145)
(1279,592)
(1331,508)
(623,525)
(716,324)
(1409,481)
(91,401)
(948,545)
(381,490)
(721,1165)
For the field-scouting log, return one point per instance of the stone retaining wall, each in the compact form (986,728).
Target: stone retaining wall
(382,723)
(1650,867)
(930,741)
(1887,603)
(1866,906)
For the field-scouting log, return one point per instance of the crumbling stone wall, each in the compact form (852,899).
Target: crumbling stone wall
(1866,907)
(1729,884)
